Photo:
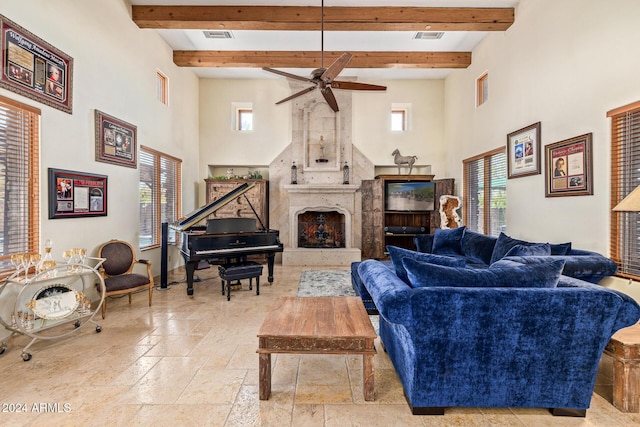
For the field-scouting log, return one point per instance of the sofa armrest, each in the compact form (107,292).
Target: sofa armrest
(424,242)
(388,291)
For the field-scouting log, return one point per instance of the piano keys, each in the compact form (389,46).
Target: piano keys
(225,240)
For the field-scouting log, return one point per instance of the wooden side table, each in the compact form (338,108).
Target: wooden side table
(624,348)
(316,325)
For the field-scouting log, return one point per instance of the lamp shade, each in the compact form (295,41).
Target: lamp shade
(631,203)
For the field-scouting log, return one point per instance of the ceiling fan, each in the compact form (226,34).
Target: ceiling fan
(323,78)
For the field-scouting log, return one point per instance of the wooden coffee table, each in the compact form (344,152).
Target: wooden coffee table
(316,325)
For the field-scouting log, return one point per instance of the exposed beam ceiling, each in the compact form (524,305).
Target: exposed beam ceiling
(348,23)
(306,18)
(299,59)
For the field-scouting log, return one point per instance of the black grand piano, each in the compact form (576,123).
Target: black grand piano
(225,240)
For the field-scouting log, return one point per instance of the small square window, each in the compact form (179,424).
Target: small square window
(244,119)
(399,120)
(482,89)
(162,88)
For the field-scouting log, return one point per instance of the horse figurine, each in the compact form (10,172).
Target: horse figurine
(399,160)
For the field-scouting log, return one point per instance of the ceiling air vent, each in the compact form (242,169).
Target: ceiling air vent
(428,35)
(218,34)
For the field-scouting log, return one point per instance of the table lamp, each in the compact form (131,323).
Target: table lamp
(631,203)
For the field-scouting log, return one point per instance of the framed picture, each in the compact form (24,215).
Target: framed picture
(76,194)
(523,152)
(568,167)
(33,68)
(116,141)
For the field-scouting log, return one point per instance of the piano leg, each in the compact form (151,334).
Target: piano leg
(191,268)
(270,259)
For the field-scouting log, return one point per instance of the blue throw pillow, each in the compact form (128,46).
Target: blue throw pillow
(398,254)
(539,249)
(503,244)
(477,247)
(561,248)
(448,241)
(542,275)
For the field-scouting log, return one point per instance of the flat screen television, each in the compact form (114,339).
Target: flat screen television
(409,196)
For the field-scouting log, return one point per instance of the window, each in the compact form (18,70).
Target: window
(399,120)
(162,88)
(485,192)
(625,177)
(482,89)
(19,180)
(400,116)
(244,119)
(160,194)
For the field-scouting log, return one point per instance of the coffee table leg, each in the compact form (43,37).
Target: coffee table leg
(368,380)
(264,375)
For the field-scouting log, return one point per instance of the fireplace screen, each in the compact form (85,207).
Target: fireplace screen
(321,230)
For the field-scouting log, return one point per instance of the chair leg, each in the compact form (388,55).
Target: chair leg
(104,306)
(150,294)
(129,298)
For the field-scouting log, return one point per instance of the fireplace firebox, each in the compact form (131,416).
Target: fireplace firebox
(321,230)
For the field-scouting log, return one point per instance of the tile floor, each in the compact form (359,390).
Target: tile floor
(192,362)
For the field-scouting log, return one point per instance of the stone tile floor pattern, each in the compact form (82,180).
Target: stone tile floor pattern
(192,362)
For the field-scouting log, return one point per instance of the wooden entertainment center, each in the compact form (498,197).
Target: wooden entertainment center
(382,226)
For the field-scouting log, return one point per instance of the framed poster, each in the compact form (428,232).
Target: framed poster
(76,194)
(568,167)
(116,141)
(33,68)
(523,152)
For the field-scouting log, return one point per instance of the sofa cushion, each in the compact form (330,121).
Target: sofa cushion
(397,254)
(560,248)
(477,247)
(538,249)
(503,244)
(448,241)
(542,275)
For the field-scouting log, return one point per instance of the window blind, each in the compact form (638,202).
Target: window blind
(484,192)
(625,177)
(160,194)
(19,180)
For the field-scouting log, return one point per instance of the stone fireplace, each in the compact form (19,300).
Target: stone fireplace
(320,147)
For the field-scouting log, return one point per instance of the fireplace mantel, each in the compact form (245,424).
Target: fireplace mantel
(321,188)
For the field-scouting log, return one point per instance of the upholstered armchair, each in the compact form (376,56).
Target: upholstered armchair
(117,271)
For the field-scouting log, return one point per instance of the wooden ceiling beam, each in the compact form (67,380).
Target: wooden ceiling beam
(307,18)
(307,59)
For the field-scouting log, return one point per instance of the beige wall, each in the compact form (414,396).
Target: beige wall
(562,63)
(221,145)
(115,66)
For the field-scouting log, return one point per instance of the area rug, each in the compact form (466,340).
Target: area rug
(325,283)
(329,283)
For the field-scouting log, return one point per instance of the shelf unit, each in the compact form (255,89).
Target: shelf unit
(381,227)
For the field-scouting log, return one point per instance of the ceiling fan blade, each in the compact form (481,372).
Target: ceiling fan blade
(330,98)
(335,68)
(288,75)
(297,94)
(355,86)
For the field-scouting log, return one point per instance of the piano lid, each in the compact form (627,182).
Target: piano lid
(201,213)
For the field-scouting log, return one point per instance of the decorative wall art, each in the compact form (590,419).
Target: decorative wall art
(116,141)
(76,194)
(568,167)
(523,151)
(33,68)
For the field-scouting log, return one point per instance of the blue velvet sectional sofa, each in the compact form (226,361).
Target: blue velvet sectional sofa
(480,251)
(517,333)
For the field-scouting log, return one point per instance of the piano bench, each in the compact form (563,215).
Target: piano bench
(239,271)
